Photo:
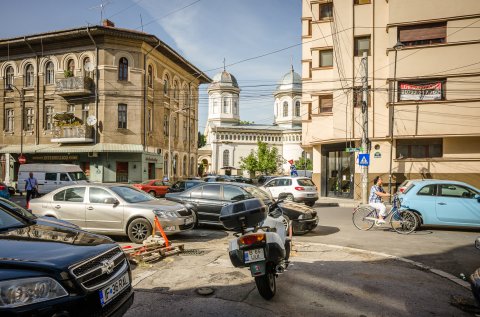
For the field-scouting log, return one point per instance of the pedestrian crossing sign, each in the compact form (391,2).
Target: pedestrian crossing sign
(363,159)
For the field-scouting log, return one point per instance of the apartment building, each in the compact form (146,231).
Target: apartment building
(423,90)
(120,103)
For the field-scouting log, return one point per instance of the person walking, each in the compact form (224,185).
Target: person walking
(375,199)
(31,186)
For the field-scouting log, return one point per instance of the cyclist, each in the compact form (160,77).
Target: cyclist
(375,199)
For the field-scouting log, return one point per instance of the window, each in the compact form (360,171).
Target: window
(225,106)
(60,196)
(98,195)
(165,85)
(165,125)
(9,120)
(51,177)
(419,148)
(185,132)
(215,106)
(285,109)
(423,34)
(226,157)
(149,120)
(150,76)
(358,97)
(64,177)
(326,11)
(362,1)
(9,75)
(211,192)
(123,69)
(29,119)
(428,190)
(71,66)
(71,108)
(235,110)
(425,90)
(165,164)
(326,58)
(75,194)
(87,67)
(85,108)
(456,191)
(122,116)
(49,74)
(325,103)
(29,75)
(297,109)
(175,90)
(362,44)
(309,110)
(49,118)
(174,164)
(232,193)
(307,27)
(184,166)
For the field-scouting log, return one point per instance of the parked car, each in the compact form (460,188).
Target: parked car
(404,185)
(180,186)
(218,178)
(5,191)
(262,179)
(113,210)
(155,187)
(207,200)
(50,176)
(299,189)
(241,179)
(443,202)
(51,268)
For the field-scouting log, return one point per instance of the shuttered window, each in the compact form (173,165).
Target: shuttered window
(423,34)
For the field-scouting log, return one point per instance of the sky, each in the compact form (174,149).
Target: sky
(203,31)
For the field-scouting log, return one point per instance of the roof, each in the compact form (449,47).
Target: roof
(291,81)
(224,79)
(41,41)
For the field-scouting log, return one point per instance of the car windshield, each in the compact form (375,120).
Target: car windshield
(10,205)
(77,176)
(257,193)
(131,195)
(9,220)
(305,182)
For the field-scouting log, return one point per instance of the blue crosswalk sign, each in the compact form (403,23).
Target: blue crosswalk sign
(363,159)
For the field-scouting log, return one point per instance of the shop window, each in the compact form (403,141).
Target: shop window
(423,34)
(419,148)
(362,44)
(326,58)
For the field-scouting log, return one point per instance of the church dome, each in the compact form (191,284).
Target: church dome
(224,79)
(291,81)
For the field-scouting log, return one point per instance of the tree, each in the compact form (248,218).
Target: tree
(267,158)
(202,140)
(249,163)
(303,164)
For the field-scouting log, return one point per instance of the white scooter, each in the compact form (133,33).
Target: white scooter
(262,242)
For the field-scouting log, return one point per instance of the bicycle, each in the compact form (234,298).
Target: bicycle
(401,220)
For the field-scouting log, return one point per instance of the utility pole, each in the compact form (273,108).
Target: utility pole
(365,148)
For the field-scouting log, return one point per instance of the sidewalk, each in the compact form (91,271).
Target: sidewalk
(336,202)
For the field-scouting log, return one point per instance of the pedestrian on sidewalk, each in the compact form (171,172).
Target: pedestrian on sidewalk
(31,186)
(375,199)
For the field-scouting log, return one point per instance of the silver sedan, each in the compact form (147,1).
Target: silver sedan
(113,210)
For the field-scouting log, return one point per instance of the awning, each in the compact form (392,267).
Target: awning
(59,148)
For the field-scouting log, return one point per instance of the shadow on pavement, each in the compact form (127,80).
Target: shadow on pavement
(322,231)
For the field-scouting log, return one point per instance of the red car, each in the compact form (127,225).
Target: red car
(155,187)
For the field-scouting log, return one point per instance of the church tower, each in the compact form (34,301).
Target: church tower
(223,100)
(288,96)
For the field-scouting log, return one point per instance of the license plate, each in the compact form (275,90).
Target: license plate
(310,195)
(188,221)
(254,255)
(115,288)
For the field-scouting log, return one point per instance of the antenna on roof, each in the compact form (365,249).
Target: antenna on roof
(141,21)
(224,64)
(291,62)
(101,6)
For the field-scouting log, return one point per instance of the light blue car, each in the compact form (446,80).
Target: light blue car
(442,202)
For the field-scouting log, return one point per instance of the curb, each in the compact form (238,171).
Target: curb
(422,266)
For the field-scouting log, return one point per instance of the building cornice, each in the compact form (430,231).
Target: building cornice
(453,18)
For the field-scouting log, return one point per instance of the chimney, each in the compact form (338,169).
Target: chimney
(108,23)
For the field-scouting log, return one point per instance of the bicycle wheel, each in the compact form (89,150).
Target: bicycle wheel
(404,222)
(364,218)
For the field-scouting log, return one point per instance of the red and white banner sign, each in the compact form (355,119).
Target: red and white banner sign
(432,91)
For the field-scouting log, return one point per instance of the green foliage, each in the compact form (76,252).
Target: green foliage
(202,140)
(265,160)
(249,163)
(67,73)
(244,122)
(303,164)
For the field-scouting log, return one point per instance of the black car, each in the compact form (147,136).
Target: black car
(262,179)
(241,179)
(52,268)
(180,186)
(208,199)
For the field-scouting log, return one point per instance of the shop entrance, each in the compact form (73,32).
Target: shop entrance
(122,172)
(339,171)
(151,171)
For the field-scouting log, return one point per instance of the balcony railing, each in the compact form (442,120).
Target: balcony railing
(73,134)
(74,86)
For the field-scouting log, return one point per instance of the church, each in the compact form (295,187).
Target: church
(228,139)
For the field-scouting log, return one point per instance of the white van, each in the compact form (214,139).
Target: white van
(50,176)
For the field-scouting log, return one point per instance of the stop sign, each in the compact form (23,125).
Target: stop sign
(22,159)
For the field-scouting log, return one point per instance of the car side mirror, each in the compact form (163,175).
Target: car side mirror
(477,243)
(111,201)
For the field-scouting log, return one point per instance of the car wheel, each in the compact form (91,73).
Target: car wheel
(139,229)
(310,203)
(152,193)
(289,197)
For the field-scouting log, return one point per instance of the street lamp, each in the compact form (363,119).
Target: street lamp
(169,143)
(11,87)
(397,47)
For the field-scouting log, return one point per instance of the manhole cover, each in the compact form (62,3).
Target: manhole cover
(205,291)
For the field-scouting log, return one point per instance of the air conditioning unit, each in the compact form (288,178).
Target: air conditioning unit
(92,154)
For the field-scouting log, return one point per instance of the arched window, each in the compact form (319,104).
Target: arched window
(175,90)
(29,75)
(165,85)
(9,74)
(225,106)
(226,157)
(49,74)
(123,69)
(174,165)
(71,67)
(150,76)
(87,67)
(285,109)
(297,108)
(165,165)
(185,172)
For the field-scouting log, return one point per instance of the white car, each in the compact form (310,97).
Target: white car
(299,189)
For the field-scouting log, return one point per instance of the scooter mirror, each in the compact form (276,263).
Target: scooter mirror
(477,243)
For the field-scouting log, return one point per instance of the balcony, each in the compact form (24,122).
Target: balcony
(72,134)
(74,86)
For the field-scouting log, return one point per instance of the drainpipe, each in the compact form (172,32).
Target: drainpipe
(145,90)
(96,85)
(37,88)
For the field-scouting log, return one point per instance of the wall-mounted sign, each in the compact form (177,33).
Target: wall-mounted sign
(414,91)
(377,155)
(354,149)
(55,157)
